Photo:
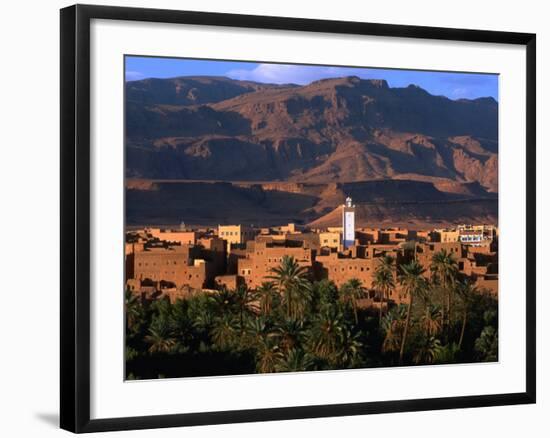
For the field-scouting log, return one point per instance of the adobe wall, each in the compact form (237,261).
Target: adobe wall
(340,270)
(181,237)
(257,265)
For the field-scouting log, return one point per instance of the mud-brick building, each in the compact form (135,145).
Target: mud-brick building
(426,251)
(341,269)
(182,237)
(214,250)
(163,263)
(330,240)
(181,265)
(199,275)
(255,267)
(230,282)
(445,235)
(477,262)
(236,235)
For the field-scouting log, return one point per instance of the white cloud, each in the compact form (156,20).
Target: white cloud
(460,92)
(287,73)
(134,75)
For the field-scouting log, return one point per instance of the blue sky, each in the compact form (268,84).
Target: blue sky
(452,85)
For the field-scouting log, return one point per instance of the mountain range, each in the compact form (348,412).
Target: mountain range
(404,155)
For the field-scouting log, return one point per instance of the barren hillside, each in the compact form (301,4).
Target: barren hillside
(344,136)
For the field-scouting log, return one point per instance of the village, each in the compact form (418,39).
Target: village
(178,263)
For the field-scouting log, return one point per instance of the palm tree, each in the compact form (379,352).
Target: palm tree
(383,281)
(201,310)
(393,324)
(427,350)
(162,307)
(267,296)
(486,345)
(350,353)
(132,309)
(444,269)
(413,284)
(258,328)
(160,339)
(290,333)
(327,334)
(350,292)
(225,331)
(295,360)
(203,321)
(268,355)
(465,291)
(386,262)
(292,283)
(447,353)
(432,320)
(242,300)
(180,323)
(325,293)
(223,302)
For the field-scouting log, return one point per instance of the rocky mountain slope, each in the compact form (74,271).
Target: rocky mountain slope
(326,134)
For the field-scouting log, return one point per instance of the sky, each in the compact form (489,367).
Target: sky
(452,85)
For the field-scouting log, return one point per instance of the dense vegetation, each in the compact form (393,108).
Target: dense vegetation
(293,324)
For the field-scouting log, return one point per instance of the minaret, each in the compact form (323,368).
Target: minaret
(348,224)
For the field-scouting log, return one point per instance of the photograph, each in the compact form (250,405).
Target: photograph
(271,219)
(291,218)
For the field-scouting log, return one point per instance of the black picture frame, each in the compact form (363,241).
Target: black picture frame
(75,217)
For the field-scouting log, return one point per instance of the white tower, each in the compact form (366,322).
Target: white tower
(348,223)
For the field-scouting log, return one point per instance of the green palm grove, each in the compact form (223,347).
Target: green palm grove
(292,323)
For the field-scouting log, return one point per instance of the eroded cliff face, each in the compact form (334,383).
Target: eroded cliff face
(326,134)
(333,130)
